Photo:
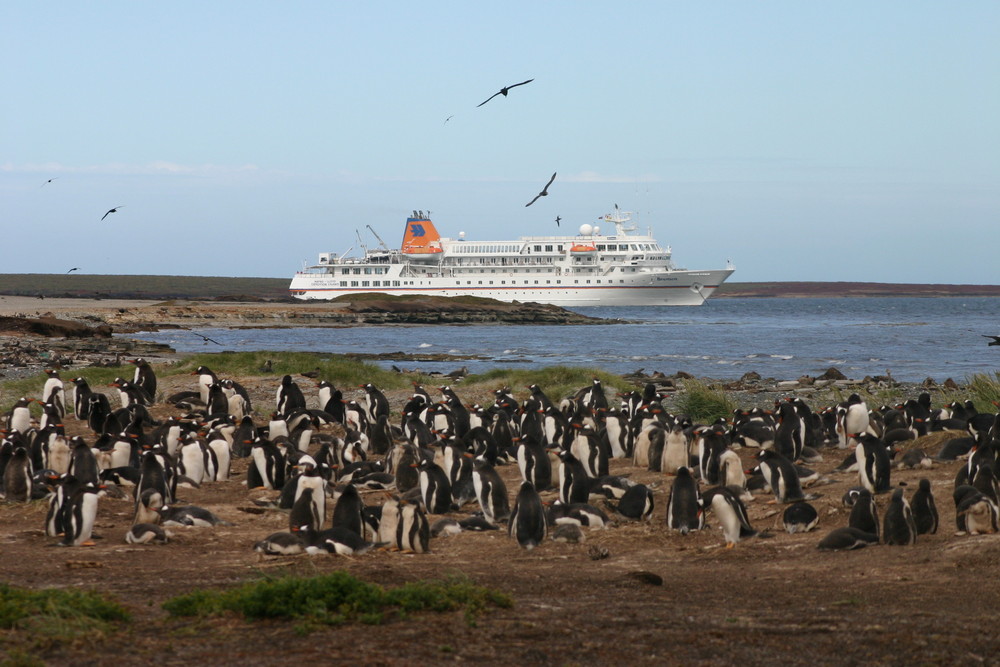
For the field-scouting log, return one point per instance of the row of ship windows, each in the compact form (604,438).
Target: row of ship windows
(378,270)
(396,283)
(476,249)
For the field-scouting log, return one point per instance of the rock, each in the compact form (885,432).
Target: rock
(832,374)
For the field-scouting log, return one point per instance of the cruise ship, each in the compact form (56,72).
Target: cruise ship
(623,268)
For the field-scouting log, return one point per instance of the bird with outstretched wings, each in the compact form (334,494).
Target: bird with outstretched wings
(544,192)
(112,210)
(503,91)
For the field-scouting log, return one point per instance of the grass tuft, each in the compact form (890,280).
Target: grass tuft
(702,403)
(985,391)
(336,598)
(58,614)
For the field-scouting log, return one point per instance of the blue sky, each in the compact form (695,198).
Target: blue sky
(803,140)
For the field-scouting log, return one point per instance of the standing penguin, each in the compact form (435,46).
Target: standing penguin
(145,378)
(378,404)
(267,468)
(899,527)
(864,514)
(82,462)
(52,392)
(349,511)
(490,491)
(533,461)
(19,417)
(413,532)
(925,514)
(574,485)
(684,512)
(81,398)
(527,519)
(18,476)
(781,476)
(331,400)
(80,517)
(874,466)
(289,397)
(435,488)
(731,513)
(206,378)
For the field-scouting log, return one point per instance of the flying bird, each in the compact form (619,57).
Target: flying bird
(447,119)
(75,268)
(995,341)
(48,181)
(544,192)
(113,210)
(206,338)
(503,91)
(558,219)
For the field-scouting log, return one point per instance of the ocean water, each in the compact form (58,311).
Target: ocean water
(913,338)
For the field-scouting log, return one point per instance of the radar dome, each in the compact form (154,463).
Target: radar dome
(597,230)
(586,229)
(461,236)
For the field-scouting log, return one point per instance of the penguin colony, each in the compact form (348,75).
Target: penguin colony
(324,465)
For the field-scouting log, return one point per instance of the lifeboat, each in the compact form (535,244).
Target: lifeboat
(581,249)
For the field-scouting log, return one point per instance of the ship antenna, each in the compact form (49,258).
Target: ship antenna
(361,242)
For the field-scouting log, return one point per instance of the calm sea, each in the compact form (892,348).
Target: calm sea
(914,338)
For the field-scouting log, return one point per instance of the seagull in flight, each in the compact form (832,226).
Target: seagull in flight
(503,91)
(558,219)
(544,192)
(75,268)
(448,118)
(113,210)
(48,181)
(995,341)
(206,338)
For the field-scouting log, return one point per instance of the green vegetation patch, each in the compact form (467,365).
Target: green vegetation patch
(702,403)
(336,598)
(985,391)
(556,381)
(58,614)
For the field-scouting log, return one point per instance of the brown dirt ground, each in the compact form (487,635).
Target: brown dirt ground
(768,600)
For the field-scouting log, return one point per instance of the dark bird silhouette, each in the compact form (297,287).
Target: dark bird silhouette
(447,119)
(544,192)
(558,219)
(48,181)
(113,210)
(995,341)
(75,268)
(503,91)
(206,338)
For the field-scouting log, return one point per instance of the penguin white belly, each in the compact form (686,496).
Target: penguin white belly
(88,515)
(222,455)
(20,420)
(121,454)
(192,462)
(237,407)
(58,456)
(675,453)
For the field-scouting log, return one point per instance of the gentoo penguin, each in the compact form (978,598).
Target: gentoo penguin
(413,533)
(348,512)
(491,492)
(852,420)
(19,417)
(435,489)
(446,527)
(146,533)
(18,476)
(267,468)
(289,397)
(534,464)
(800,518)
(781,476)
(331,400)
(83,463)
(899,528)
(336,540)
(636,503)
(281,544)
(81,398)
(377,404)
(380,436)
(527,518)
(305,510)
(864,514)
(389,521)
(568,532)
(574,484)
(675,450)
(874,466)
(206,378)
(147,505)
(975,513)
(578,513)
(847,538)
(145,378)
(684,512)
(731,513)
(80,516)
(189,515)
(63,488)
(925,514)
(52,392)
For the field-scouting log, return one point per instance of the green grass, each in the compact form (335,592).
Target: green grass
(984,390)
(31,387)
(336,598)
(58,615)
(702,403)
(556,381)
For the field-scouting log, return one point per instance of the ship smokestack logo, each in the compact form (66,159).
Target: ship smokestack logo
(417,230)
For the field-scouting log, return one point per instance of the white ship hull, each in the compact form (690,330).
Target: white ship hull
(678,288)
(589,269)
